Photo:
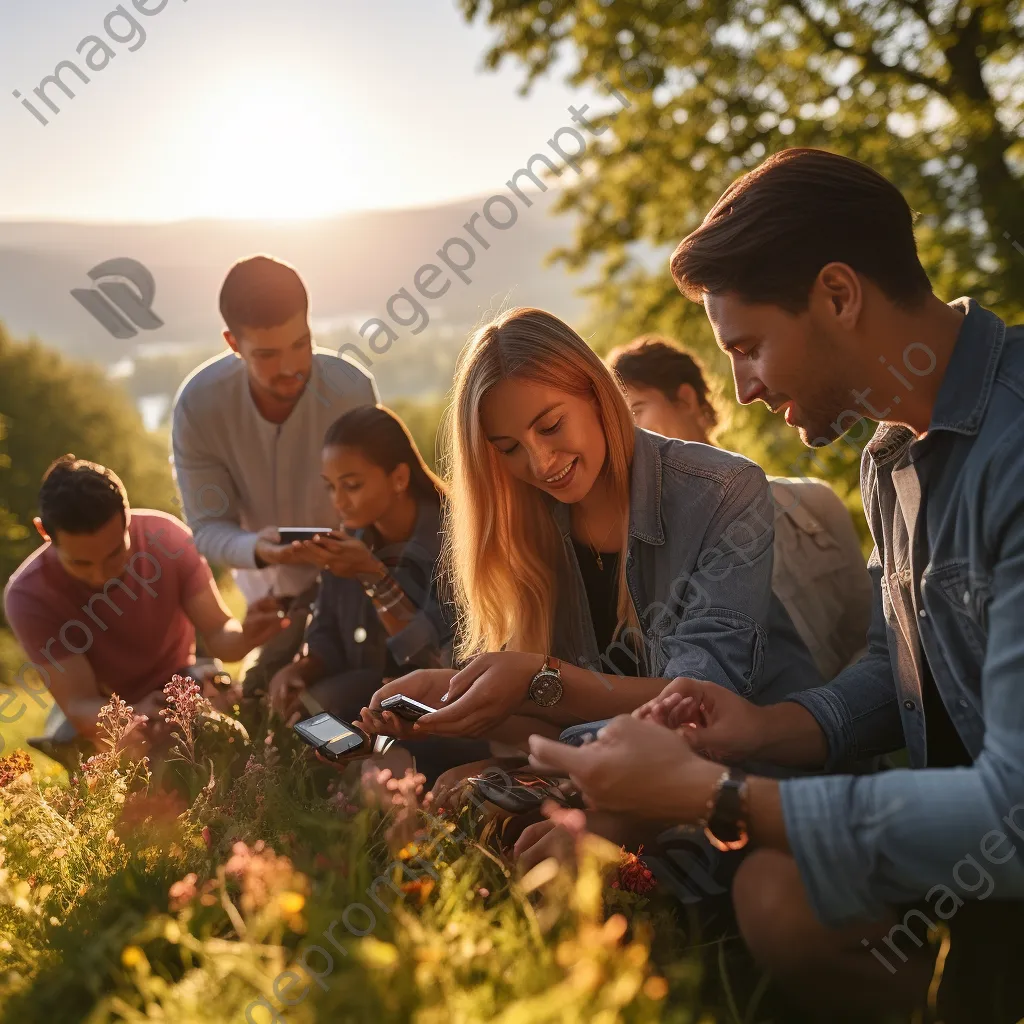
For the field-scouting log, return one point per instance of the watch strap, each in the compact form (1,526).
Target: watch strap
(725,823)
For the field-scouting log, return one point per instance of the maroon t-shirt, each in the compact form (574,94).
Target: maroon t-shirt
(134,632)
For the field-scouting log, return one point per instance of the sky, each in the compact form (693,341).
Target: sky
(259,109)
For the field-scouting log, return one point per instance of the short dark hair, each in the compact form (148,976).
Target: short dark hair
(78,496)
(773,230)
(654,361)
(384,439)
(261,292)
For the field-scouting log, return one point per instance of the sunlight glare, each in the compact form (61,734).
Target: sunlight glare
(269,148)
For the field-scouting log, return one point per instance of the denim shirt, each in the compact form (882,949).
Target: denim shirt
(345,631)
(953,595)
(699,570)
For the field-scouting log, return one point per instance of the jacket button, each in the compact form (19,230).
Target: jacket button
(967,597)
(909,705)
(963,702)
(359,635)
(922,614)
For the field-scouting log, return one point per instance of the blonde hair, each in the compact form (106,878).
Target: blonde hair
(502,545)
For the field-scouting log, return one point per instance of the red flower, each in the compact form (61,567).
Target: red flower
(634,875)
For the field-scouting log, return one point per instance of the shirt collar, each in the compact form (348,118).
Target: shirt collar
(966,385)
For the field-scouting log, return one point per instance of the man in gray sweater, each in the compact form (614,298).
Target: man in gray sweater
(246,433)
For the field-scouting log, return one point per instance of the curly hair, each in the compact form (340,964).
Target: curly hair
(78,496)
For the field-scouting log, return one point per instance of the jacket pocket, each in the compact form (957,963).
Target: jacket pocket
(955,596)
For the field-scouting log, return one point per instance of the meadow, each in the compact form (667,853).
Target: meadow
(239,880)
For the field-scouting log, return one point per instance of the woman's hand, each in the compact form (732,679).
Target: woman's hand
(489,690)
(285,689)
(637,767)
(342,555)
(427,685)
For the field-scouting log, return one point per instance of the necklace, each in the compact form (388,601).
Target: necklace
(593,546)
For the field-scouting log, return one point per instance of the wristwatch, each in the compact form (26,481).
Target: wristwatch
(546,685)
(725,823)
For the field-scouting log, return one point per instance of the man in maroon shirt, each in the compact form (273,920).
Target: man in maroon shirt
(111,603)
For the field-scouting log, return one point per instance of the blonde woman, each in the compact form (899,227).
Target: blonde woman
(591,560)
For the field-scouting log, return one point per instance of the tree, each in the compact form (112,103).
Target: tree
(50,406)
(929,92)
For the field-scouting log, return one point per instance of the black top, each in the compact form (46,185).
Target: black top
(601,585)
(944,748)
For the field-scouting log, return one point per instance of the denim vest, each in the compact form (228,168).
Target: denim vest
(699,570)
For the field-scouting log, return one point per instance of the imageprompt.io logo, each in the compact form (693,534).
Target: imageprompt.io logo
(121,308)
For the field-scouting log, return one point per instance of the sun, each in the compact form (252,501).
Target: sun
(267,148)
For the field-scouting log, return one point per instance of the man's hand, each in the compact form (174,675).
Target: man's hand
(270,550)
(634,766)
(263,620)
(483,695)
(711,718)
(342,555)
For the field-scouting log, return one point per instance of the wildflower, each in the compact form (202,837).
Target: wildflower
(634,876)
(421,888)
(132,956)
(14,766)
(483,892)
(185,703)
(655,988)
(58,853)
(184,892)
(291,902)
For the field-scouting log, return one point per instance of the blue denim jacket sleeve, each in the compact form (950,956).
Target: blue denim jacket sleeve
(323,634)
(859,710)
(428,636)
(721,633)
(866,843)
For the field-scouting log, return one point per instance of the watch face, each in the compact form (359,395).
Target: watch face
(546,689)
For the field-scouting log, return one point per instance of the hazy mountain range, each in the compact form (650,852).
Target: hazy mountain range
(352,264)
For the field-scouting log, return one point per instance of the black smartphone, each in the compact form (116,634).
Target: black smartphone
(332,737)
(577,735)
(405,707)
(528,790)
(291,533)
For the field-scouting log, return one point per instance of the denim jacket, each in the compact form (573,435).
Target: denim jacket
(345,631)
(699,570)
(953,595)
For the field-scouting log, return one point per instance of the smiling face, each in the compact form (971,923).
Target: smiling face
(361,491)
(550,439)
(95,558)
(794,363)
(279,359)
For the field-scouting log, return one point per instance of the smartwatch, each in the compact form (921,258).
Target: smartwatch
(546,685)
(725,823)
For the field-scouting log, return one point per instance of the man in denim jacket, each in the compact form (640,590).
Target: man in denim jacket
(808,271)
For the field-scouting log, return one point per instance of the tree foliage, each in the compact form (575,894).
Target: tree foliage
(50,406)
(929,92)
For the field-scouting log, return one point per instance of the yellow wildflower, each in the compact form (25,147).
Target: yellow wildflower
(291,902)
(132,956)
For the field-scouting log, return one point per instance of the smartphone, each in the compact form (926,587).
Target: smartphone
(405,707)
(332,737)
(577,735)
(290,533)
(527,792)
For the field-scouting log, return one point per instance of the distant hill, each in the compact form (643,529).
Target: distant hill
(352,265)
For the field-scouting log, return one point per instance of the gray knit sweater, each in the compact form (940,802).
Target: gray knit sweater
(238,473)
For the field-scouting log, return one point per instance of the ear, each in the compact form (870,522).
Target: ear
(232,342)
(400,477)
(839,293)
(38,524)
(686,395)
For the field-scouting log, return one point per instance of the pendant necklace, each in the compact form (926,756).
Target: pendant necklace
(593,547)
